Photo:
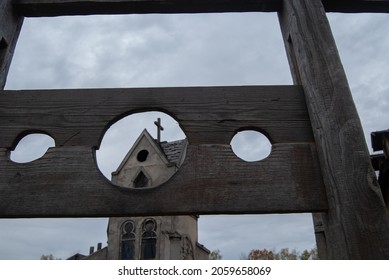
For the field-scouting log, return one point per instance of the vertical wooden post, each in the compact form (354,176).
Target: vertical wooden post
(321,242)
(356,225)
(10,25)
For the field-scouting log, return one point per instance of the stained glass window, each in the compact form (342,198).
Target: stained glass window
(128,241)
(149,240)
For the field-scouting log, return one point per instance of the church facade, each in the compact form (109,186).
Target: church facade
(150,163)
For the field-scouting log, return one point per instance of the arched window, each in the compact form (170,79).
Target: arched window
(149,240)
(127,250)
(140,180)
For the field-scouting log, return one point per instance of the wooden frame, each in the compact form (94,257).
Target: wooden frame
(211,180)
(343,154)
(326,167)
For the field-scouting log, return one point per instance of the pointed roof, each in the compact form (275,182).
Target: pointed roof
(169,152)
(175,150)
(145,134)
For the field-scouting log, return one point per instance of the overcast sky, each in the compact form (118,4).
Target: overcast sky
(180,50)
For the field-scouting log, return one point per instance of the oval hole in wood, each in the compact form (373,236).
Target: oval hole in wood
(121,157)
(32,147)
(251,145)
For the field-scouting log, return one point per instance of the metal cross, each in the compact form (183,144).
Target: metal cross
(159,129)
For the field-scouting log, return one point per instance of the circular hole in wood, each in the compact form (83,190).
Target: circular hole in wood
(251,145)
(32,147)
(132,156)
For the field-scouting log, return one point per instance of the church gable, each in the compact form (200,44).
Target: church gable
(144,149)
(145,165)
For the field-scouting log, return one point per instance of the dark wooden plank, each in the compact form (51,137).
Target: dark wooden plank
(380,162)
(380,141)
(10,25)
(212,180)
(206,114)
(356,224)
(356,6)
(320,237)
(39,8)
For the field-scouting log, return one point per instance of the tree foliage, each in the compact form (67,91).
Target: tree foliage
(215,255)
(48,257)
(283,254)
(310,255)
(261,255)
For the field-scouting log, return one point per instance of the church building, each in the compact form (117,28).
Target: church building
(150,163)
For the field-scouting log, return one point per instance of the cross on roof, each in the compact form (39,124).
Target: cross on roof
(159,129)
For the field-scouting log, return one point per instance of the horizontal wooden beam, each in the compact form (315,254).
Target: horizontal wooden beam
(38,8)
(41,8)
(356,6)
(206,114)
(212,180)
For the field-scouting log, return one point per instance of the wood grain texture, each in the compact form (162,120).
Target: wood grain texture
(356,224)
(206,114)
(10,25)
(212,179)
(356,6)
(320,236)
(40,8)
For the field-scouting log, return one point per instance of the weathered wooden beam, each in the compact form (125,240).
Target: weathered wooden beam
(10,25)
(377,160)
(212,180)
(206,114)
(356,6)
(356,224)
(40,8)
(320,237)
